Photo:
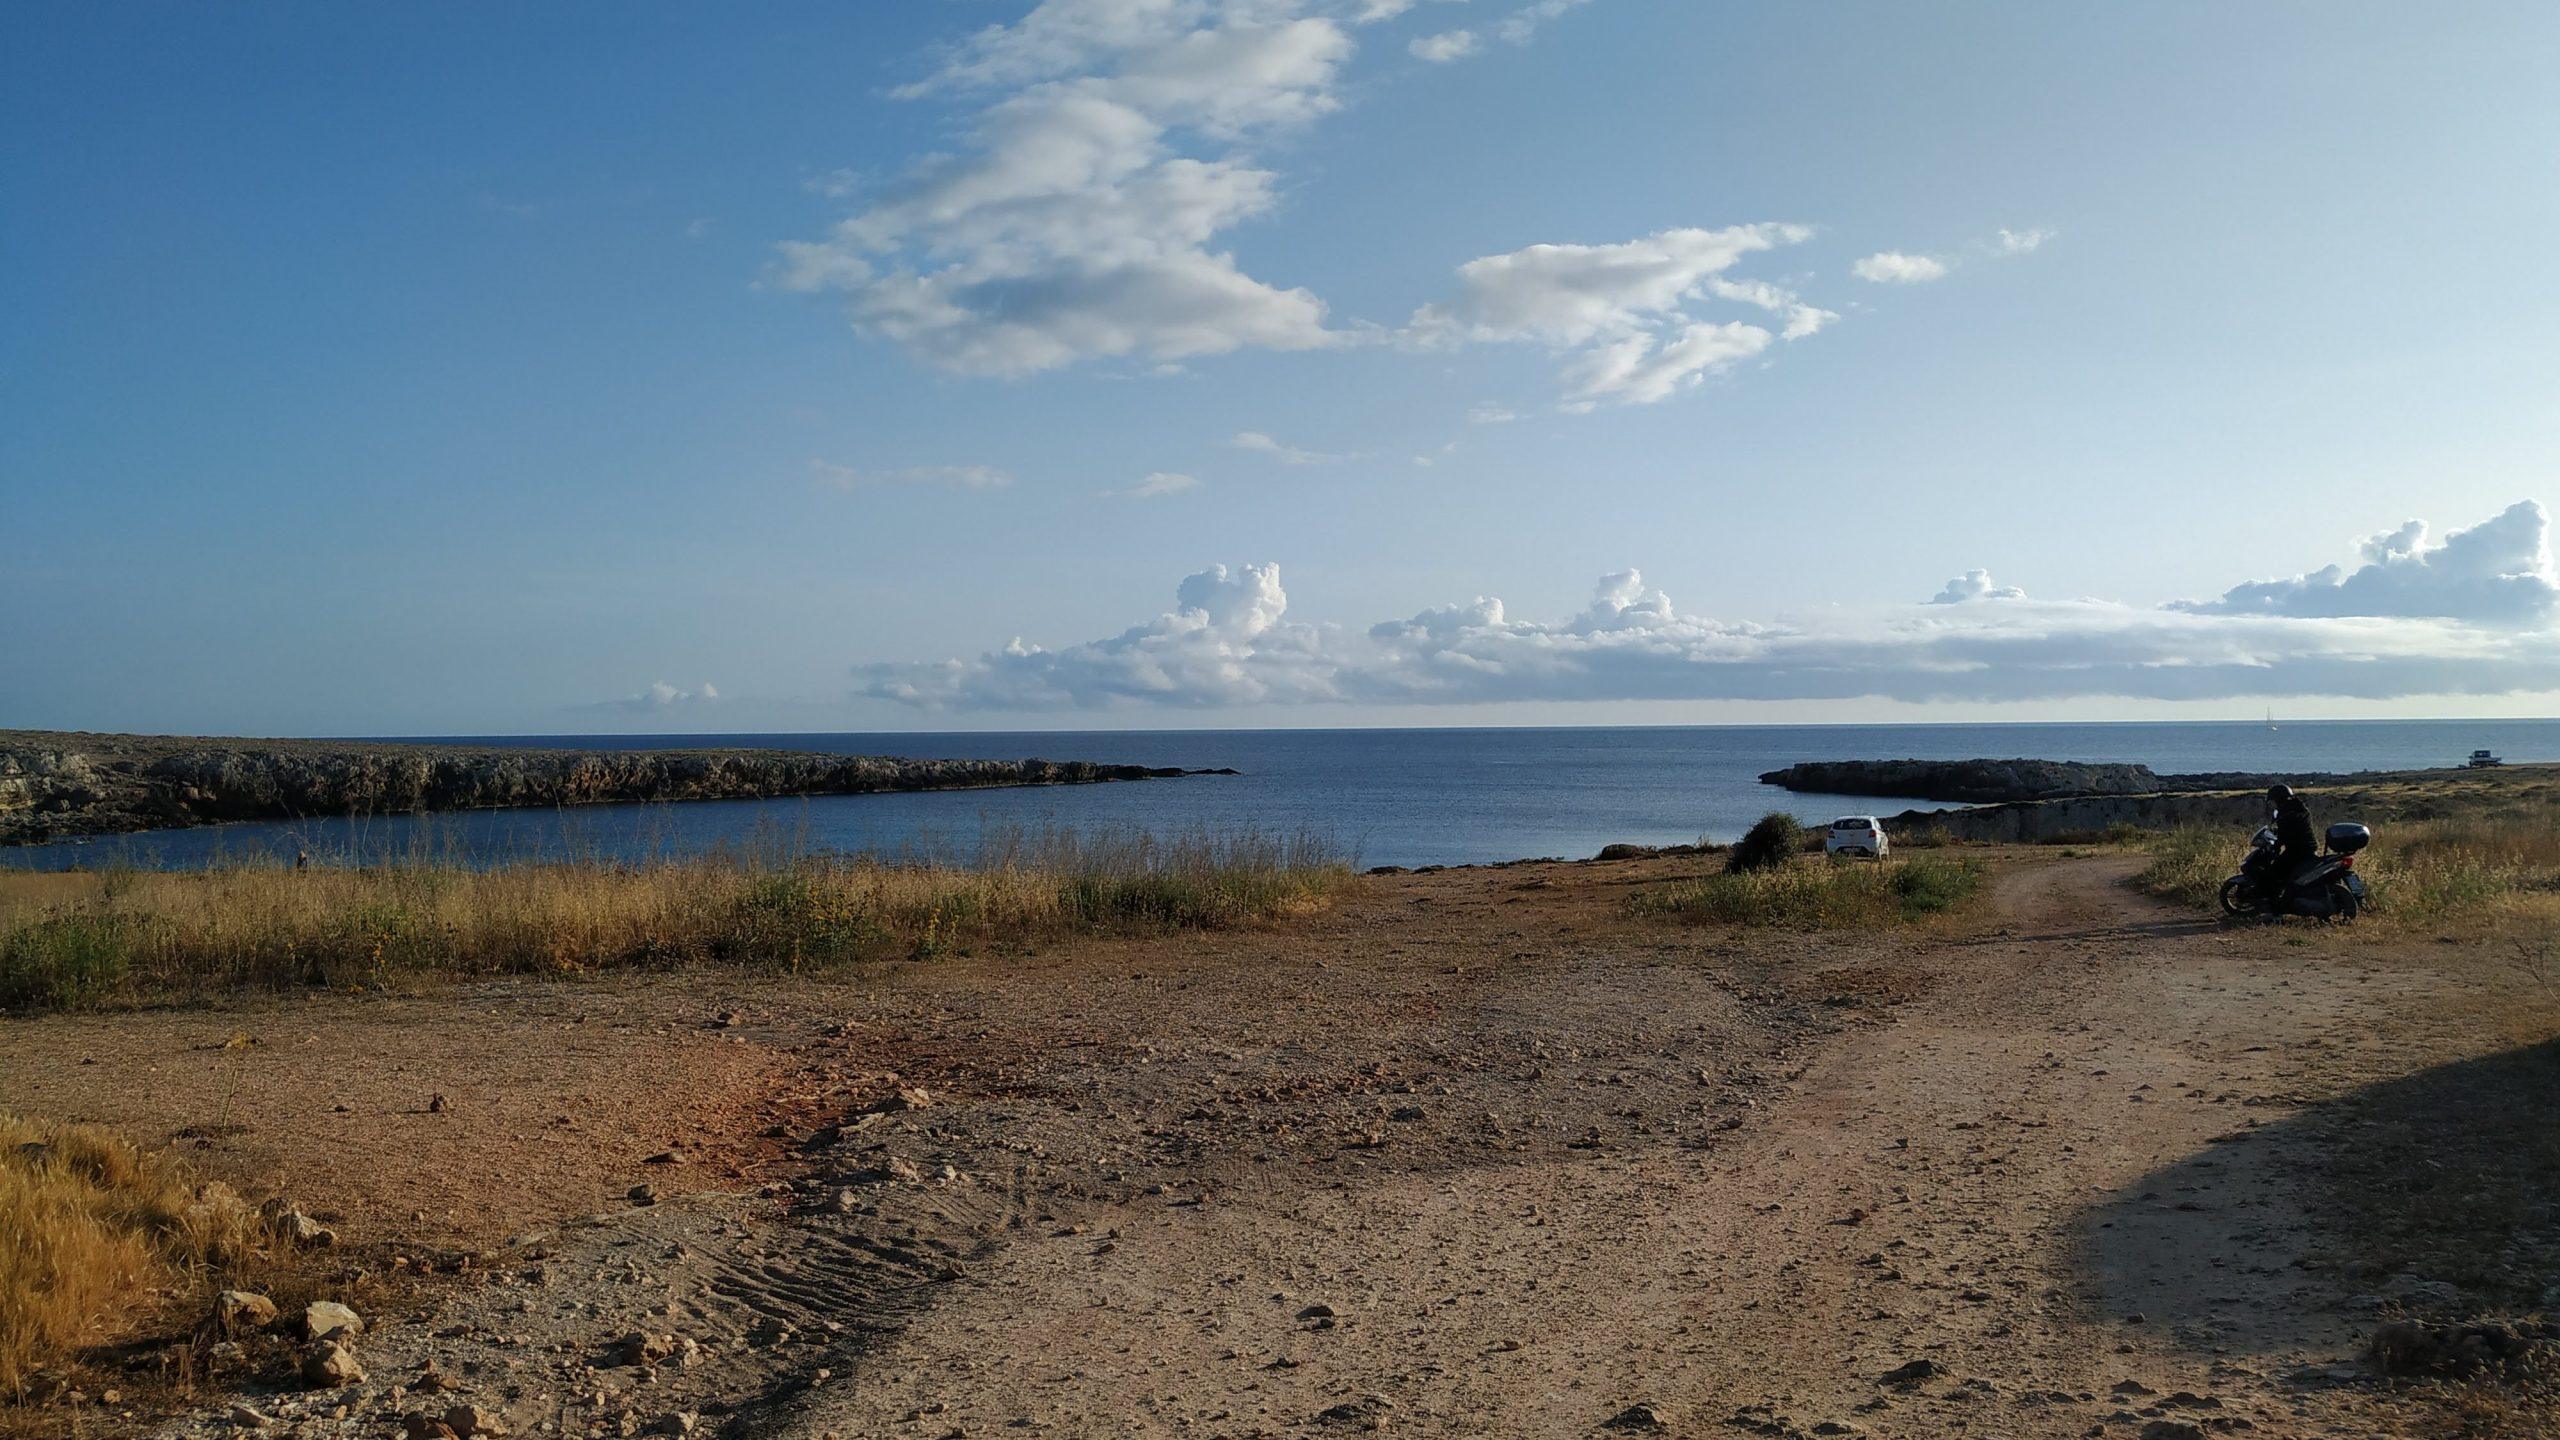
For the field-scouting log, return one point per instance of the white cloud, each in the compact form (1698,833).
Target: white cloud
(1446,46)
(1078,222)
(1229,642)
(1574,294)
(1486,412)
(663,696)
(1975,585)
(1637,370)
(1157,483)
(1620,314)
(1261,444)
(1223,644)
(1516,28)
(958,477)
(1520,24)
(1802,319)
(1902,267)
(836,184)
(2498,571)
(1894,267)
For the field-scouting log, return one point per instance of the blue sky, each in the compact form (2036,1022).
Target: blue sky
(468,368)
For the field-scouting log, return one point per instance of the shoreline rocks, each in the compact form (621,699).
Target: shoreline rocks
(1985,782)
(56,785)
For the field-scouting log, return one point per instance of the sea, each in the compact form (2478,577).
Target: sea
(1382,796)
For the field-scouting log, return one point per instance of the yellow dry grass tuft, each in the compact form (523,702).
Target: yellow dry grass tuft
(92,1229)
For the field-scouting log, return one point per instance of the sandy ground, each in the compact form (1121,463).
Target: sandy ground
(1473,1153)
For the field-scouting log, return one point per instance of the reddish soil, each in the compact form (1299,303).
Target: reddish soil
(1472,1153)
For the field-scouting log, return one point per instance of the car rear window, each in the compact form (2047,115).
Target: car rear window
(1853,824)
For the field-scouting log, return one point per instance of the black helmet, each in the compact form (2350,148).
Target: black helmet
(2279,792)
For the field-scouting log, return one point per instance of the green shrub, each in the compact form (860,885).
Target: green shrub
(1933,886)
(795,917)
(1812,896)
(2189,863)
(1772,841)
(66,959)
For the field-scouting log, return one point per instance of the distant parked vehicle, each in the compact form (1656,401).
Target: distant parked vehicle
(1859,835)
(2481,760)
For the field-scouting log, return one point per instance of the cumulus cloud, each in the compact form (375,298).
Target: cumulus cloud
(1975,585)
(662,696)
(1223,644)
(1446,46)
(1108,153)
(1894,267)
(1229,641)
(1156,484)
(957,477)
(2499,571)
(1621,315)
(1105,150)
(1261,444)
(2019,242)
(1487,412)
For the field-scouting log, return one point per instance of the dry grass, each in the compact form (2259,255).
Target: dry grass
(91,1231)
(89,939)
(2491,870)
(1823,895)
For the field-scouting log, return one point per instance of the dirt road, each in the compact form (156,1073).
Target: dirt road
(2049,1175)
(1478,1153)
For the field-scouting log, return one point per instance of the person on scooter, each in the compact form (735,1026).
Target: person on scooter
(2296,844)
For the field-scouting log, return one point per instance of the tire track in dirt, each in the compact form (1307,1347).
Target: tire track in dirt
(1406,1166)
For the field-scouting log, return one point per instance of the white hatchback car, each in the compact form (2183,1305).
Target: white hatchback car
(1860,835)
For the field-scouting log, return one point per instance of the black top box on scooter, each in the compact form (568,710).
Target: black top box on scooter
(2348,838)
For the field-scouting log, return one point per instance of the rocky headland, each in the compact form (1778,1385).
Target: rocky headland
(1981,782)
(2236,801)
(56,785)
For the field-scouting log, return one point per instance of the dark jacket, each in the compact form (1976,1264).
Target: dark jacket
(2294,840)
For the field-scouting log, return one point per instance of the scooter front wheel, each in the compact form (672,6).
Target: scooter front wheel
(2239,896)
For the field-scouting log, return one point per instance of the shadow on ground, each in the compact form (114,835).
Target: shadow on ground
(2434,1194)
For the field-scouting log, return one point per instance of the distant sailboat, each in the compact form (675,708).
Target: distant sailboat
(2271,718)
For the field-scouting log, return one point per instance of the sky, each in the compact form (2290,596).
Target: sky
(982,364)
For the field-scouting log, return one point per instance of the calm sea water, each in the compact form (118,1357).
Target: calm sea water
(1397,797)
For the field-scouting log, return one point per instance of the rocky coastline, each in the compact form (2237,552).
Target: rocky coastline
(2044,801)
(2371,797)
(59,785)
(1985,782)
